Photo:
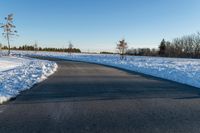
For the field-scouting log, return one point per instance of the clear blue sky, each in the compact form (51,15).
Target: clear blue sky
(99,24)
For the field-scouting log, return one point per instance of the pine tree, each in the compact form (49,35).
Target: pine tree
(162,48)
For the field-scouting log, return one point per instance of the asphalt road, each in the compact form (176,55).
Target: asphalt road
(89,98)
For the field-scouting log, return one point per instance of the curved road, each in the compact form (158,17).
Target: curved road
(89,98)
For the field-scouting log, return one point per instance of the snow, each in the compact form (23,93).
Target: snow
(7,63)
(185,71)
(20,73)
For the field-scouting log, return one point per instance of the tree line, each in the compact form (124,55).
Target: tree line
(122,47)
(183,47)
(142,52)
(35,48)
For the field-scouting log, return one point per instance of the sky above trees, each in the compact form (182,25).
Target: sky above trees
(97,25)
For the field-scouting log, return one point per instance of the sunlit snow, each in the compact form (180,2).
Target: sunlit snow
(18,74)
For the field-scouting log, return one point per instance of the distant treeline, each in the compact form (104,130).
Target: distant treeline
(142,52)
(33,48)
(183,47)
(106,52)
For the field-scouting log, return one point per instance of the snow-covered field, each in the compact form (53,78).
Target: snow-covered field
(186,71)
(20,73)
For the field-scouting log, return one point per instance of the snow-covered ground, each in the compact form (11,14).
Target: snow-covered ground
(186,71)
(9,63)
(20,73)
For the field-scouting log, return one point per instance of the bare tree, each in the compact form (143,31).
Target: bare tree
(122,47)
(70,48)
(1,48)
(35,47)
(9,29)
(197,45)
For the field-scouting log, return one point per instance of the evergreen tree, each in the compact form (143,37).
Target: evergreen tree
(162,48)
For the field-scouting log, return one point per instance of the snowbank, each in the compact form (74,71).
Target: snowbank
(7,63)
(186,71)
(18,74)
